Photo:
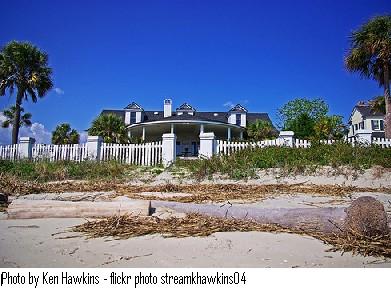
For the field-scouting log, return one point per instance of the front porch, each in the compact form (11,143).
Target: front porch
(187,133)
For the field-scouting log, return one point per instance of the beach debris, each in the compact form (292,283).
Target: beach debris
(366,216)
(196,225)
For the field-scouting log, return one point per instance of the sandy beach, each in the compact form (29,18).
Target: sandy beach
(48,242)
(34,243)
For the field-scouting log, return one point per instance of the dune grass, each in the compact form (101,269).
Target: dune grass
(245,163)
(65,170)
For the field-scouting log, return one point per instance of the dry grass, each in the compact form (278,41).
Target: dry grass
(195,225)
(200,192)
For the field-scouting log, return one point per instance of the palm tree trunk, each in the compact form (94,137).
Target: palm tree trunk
(387,100)
(15,127)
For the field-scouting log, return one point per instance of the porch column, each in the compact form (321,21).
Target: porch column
(172,127)
(143,138)
(94,144)
(130,134)
(229,133)
(26,147)
(287,138)
(241,135)
(207,145)
(168,149)
(201,128)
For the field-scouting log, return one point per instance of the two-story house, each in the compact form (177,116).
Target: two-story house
(364,118)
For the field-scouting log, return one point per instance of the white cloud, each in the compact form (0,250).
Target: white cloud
(59,91)
(36,130)
(229,104)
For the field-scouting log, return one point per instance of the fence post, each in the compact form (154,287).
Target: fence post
(287,137)
(364,136)
(94,144)
(26,147)
(168,149)
(207,145)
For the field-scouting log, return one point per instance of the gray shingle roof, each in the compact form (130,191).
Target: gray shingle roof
(366,111)
(150,116)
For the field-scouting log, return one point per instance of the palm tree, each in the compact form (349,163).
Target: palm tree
(378,104)
(111,128)
(260,130)
(25,119)
(63,134)
(370,55)
(24,68)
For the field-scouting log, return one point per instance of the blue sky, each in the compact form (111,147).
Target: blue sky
(106,54)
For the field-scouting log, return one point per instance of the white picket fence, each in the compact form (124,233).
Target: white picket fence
(9,152)
(146,154)
(228,147)
(66,152)
(382,142)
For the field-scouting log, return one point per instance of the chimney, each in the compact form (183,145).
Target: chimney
(167,108)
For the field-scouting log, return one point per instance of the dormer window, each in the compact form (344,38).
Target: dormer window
(133,113)
(185,108)
(238,115)
(238,119)
(132,117)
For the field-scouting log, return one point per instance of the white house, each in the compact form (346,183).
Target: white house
(364,118)
(186,123)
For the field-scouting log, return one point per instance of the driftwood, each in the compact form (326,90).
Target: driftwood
(28,209)
(326,220)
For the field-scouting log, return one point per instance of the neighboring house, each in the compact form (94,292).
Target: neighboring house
(363,117)
(187,123)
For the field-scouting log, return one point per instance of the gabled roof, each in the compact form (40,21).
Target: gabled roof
(150,116)
(185,107)
(238,108)
(134,106)
(366,111)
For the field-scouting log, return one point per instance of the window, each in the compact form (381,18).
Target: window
(377,125)
(238,119)
(132,117)
(356,126)
(362,125)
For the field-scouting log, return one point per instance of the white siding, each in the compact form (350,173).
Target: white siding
(127,117)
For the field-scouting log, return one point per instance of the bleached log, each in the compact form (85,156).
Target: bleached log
(28,209)
(327,220)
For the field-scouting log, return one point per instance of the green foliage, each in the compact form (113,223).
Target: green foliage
(261,130)
(378,104)
(302,126)
(329,127)
(25,119)
(111,128)
(63,134)
(24,68)
(308,119)
(370,51)
(243,164)
(301,108)
(65,170)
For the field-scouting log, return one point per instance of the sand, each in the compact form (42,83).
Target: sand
(31,243)
(35,242)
